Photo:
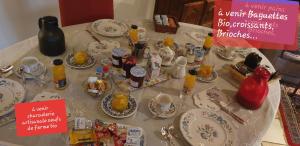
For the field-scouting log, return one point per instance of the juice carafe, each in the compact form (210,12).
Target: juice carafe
(133,34)
(254,89)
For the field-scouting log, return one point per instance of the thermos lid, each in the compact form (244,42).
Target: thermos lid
(134,26)
(58,62)
(50,21)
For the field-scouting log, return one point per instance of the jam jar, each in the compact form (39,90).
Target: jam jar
(117,55)
(127,65)
(137,75)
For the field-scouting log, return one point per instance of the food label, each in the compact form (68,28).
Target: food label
(124,73)
(134,84)
(61,83)
(115,62)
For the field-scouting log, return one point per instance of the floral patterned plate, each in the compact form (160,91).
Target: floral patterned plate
(206,128)
(70,62)
(46,96)
(107,109)
(109,27)
(11,93)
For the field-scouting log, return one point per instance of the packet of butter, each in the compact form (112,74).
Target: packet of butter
(134,132)
(132,141)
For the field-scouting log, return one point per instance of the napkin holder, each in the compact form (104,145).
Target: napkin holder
(166,28)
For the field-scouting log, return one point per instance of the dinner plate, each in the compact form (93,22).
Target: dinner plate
(154,108)
(11,93)
(96,48)
(71,63)
(206,128)
(46,96)
(107,108)
(220,53)
(210,79)
(109,27)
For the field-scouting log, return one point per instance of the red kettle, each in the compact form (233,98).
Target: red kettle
(254,89)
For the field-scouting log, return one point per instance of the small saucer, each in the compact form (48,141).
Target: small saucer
(70,62)
(42,70)
(210,79)
(220,53)
(154,109)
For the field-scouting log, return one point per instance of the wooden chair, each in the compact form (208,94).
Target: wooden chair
(290,72)
(82,11)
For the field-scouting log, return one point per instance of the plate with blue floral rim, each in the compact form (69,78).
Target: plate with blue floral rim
(11,93)
(70,61)
(107,108)
(206,128)
(210,79)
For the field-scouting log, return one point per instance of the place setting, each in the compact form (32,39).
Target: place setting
(30,68)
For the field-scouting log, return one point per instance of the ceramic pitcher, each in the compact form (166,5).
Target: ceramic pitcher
(179,67)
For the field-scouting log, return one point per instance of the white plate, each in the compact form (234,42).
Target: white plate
(12,92)
(45,96)
(210,79)
(155,110)
(220,53)
(109,27)
(107,109)
(96,48)
(206,128)
(70,62)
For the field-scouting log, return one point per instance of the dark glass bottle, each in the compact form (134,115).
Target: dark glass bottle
(51,37)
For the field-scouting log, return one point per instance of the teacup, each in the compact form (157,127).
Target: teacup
(30,64)
(164,101)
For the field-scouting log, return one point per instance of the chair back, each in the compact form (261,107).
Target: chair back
(81,11)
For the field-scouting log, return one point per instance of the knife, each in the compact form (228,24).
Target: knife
(234,116)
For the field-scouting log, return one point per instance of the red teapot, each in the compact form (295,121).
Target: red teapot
(254,89)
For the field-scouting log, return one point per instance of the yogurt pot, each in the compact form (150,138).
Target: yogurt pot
(117,56)
(199,54)
(137,75)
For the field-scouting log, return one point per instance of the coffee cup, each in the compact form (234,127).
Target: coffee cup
(30,64)
(164,101)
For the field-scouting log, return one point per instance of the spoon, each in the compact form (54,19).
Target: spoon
(166,135)
(21,69)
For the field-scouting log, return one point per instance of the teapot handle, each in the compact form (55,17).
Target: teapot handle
(41,22)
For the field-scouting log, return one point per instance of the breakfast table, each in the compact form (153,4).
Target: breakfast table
(82,105)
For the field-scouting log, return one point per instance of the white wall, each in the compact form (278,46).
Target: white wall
(19,18)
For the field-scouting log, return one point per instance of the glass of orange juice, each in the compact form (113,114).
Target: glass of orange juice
(205,70)
(168,41)
(189,81)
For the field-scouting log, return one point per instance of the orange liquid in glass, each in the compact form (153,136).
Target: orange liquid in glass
(205,70)
(189,82)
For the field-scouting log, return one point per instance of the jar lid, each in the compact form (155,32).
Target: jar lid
(57,62)
(138,71)
(134,26)
(118,52)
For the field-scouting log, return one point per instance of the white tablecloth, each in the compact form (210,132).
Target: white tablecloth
(84,105)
